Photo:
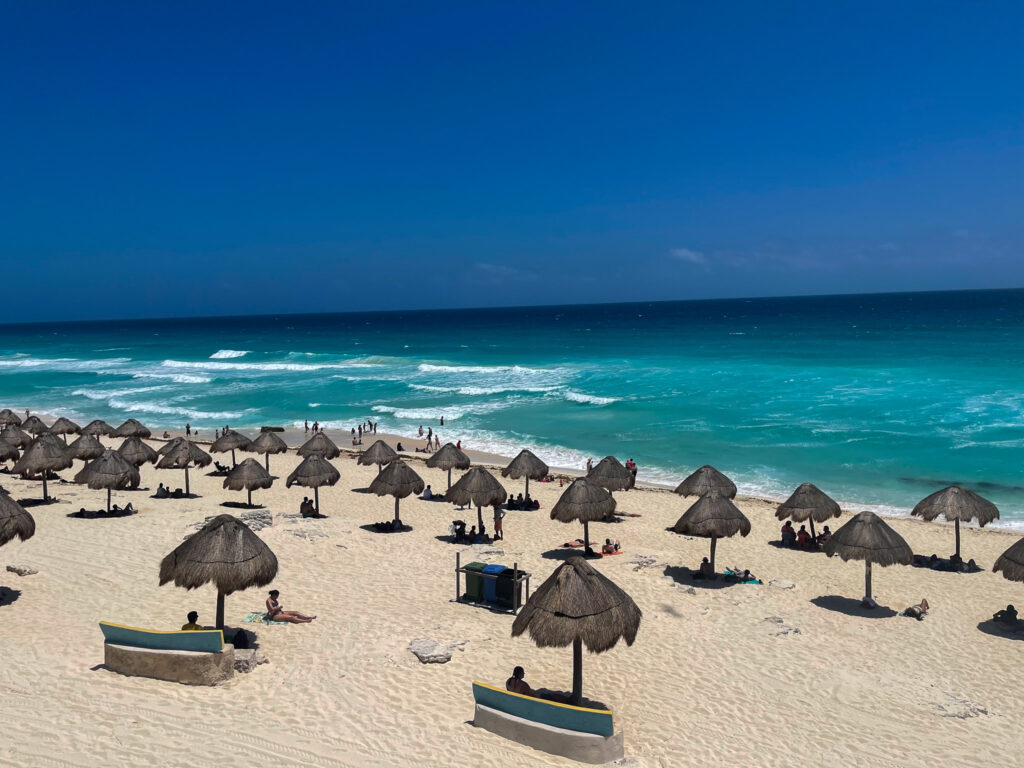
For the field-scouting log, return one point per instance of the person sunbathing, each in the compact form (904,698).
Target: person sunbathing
(276,613)
(609,547)
(917,611)
(1006,616)
(516,683)
(575,543)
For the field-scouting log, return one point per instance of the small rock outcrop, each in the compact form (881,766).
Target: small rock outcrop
(432,652)
(21,570)
(247,659)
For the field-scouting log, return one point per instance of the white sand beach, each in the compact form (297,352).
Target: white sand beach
(767,675)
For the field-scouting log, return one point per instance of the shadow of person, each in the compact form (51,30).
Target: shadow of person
(680,574)
(999,629)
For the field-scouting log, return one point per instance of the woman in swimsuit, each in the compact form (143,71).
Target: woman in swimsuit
(276,613)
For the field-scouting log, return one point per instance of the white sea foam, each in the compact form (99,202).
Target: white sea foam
(104,394)
(580,397)
(479,391)
(487,369)
(219,366)
(226,354)
(177,378)
(162,408)
(450,412)
(67,364)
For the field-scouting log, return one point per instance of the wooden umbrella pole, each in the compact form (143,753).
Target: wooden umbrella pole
(397,518)
(527,486)
(577,670)
(266,457)
(449,479)
(714,541)
(187,493)
(233,464)
(108,499)
(811,521)
(45,496)
(250,496)
(586,536)
(867,579)
(958,537)
(220,609)
(479,518)
(316,496)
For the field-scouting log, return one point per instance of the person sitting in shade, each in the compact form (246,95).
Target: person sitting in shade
(162,492)
(917,611)
(399,448)
(516,683)
(193,616)
(1006,616)
(788,534)
(803,538)
(428,494)
(705,571)
(824,536)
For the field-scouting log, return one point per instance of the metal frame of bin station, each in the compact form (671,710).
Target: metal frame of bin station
(519,579)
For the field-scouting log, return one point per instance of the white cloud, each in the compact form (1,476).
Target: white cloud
(689,256)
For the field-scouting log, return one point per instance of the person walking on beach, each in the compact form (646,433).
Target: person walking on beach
(499,514)
(421,430)
(459,445)
(188,430)
(437,442)
(430,432)
(442,421)
(307,426)
(590,464)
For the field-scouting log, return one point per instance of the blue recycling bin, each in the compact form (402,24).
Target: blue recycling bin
(491,585)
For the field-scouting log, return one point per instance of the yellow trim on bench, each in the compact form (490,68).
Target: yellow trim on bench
(164,631)
(545,701)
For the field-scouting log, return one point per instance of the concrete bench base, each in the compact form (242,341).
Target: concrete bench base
(188,667)
(582,747)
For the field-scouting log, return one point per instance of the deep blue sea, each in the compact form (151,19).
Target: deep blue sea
(877,399)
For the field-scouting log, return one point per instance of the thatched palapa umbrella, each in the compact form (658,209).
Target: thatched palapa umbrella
(7,416)
(64,426)
(47,453)
(808,502)
(869,538)
(583,502)
(611,475)
(224,552)
(268,443)
(319,445)
(448,458)
(8,451)
(231,441)
(714,517)
(380,453)
(15,521)
(248,476)
(86,448)
(137,452)
(1011,562)
(182,456)
(97,427)
(956,503)
(397,479)
(578,606)
(34,425)
(131,428)
(527,465)
(170,445)
(479,488)
(110,471)
(705,479)
(313,472)
(14,435)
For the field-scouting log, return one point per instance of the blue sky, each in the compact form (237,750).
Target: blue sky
(210,158)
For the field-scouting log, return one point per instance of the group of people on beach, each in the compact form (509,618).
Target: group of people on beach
(803,539)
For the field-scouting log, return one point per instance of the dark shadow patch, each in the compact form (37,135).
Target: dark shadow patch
(8,595)
(38,502)
(98,667)
(852,607)
(779,545)
(87,514)
(373,529)
(360,490)
(998,629)
(172,497)
(564,553)
(241,505)
(680,574)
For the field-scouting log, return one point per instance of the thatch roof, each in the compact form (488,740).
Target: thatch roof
(8,451)
(46,453)
(477,487)
(86,448)
(230,441)
(611,475)
(111,471)
(319,445)
(268,442)
(15,435)
(7,416)
(577,601)
(584,502)
(131,428)
(34,425)
(313,472)
(397,479)
(526,464)
(705,479)
(378,453)
(1011,562)
(248,476)
(808,501)
(224,552)
(868,537)
(97,427)
(64,426)
(170,445)
(14,520)
(712,515)
(449,457)
(137,452)
(957,503)
(184,454)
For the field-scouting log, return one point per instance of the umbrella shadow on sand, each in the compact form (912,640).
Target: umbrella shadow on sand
(997,629)
(8,595)
(680,574)
(564,553)
(240,505)
(39,502)
(852,607)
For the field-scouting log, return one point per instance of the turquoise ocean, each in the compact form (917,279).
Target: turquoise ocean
(877,399)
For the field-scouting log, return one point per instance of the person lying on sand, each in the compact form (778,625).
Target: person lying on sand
(1006,616)
(276,613)
(516,683)
(575,543)
(917,611)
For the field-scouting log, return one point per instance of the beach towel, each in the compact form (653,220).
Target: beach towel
(258,617)
(737,576)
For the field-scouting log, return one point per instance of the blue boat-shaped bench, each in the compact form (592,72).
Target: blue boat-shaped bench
(552,713)
(208,640)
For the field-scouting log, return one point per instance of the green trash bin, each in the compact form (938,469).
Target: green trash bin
(474,583)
